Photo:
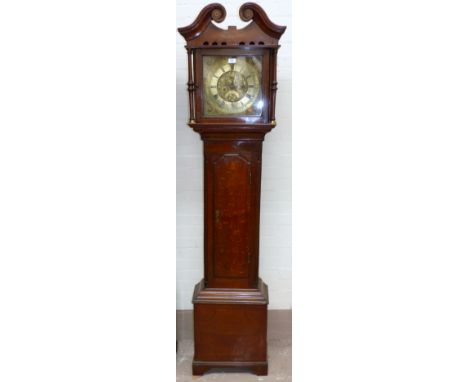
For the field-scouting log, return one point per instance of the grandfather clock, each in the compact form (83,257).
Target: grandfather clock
(232,92)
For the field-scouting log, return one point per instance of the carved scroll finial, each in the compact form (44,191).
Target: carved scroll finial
(252,11)
(246,14)
(214,11)
(218,14)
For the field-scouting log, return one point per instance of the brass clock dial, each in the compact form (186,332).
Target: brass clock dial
(231,85)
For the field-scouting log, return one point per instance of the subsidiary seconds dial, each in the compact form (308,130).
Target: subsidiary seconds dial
(232,85)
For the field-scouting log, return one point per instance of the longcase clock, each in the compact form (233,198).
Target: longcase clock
(232,92)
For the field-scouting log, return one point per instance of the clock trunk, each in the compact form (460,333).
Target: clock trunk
(232,211)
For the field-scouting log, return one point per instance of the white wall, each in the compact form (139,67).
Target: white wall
(275,227)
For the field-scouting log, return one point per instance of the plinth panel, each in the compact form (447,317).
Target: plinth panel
(230,332)
(230,328)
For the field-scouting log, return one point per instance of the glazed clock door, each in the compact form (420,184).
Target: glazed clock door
(232,217)
(232,85)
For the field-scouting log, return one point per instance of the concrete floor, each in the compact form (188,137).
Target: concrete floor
(279,352)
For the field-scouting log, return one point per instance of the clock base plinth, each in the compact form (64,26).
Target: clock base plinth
(230,328)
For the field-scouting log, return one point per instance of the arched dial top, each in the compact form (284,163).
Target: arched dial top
(232,85)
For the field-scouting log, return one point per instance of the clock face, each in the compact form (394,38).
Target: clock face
(231,85)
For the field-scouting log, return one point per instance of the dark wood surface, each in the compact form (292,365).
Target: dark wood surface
(230,303)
